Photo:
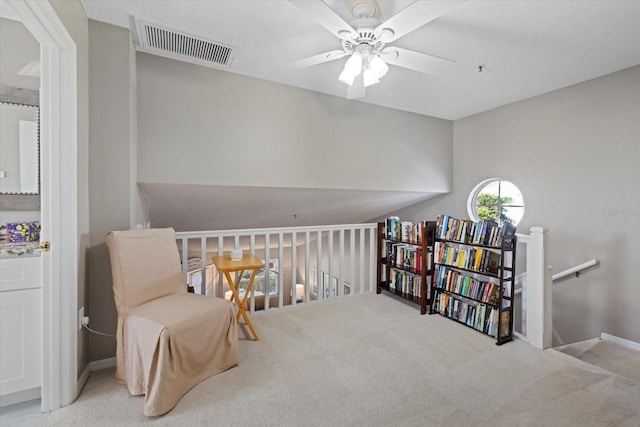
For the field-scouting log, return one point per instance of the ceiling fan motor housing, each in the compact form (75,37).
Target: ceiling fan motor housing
(365,27)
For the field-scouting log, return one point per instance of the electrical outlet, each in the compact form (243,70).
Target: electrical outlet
(80,317)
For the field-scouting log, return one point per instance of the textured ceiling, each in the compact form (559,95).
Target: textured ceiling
(527,47)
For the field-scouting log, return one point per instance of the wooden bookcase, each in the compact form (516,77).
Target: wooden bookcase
(404,257)
(473,277)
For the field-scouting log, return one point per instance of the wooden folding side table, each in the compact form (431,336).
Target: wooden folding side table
(227,266)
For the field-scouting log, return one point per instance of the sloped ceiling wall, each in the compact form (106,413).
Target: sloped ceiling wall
(188,207)
(221,151)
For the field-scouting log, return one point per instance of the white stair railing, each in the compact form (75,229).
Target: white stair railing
(537,305)
(522,288)
(304,264)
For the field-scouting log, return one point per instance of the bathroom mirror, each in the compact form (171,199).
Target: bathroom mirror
(19,149)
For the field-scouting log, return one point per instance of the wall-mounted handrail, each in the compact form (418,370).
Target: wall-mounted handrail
(568,272)
(575,270)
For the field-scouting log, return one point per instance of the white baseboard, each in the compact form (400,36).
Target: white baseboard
(97,365)
(82,381)
(520,336)
(20,396)
(582,345)
(623,342)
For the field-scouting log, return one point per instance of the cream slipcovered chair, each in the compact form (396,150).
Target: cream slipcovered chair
(168,340)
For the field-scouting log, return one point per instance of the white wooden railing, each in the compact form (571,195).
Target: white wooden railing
(536,282)
(322,262)
(307,263)
(521,287)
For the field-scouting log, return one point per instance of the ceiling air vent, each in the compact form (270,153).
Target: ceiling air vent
(155,39)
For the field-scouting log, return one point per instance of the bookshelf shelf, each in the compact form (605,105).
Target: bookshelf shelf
(404,260)
(388,263)
(473,277)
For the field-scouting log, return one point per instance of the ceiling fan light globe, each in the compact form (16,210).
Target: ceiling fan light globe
(347,77)
(369,77)
(378,66)
(354,64)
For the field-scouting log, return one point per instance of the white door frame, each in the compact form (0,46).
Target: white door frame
(59,201)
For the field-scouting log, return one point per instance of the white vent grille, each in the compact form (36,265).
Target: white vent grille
(161,41)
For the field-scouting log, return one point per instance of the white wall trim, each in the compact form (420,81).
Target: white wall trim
(97,365)
(586,344)
(19,397)
(84,377)
(623,342)
(581,345)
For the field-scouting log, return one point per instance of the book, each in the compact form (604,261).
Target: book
(504,324)
(492,297)
(493,262)
(492,326)
(478,260)
(507,229)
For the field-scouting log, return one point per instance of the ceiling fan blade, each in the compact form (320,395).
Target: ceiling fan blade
(326,17)
(356,90)
(412,17)
(317,59)
(417,61)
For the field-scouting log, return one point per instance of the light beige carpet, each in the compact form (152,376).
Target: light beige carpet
(610,356)
(372,360)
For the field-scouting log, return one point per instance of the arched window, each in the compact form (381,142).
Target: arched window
(496,199)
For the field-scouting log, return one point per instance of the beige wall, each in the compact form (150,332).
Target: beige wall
(575,155)
(72,16)
(177,116)
(112,167)
(199,125)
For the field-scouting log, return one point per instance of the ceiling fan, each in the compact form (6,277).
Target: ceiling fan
(365,41)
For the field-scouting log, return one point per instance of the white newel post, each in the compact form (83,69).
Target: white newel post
(539,291)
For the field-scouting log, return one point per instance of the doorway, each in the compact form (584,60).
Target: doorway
(59,201)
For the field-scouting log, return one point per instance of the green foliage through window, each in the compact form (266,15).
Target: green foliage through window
(489,206)
(497,200)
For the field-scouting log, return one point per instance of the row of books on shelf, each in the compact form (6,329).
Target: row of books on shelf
(479,316)
(478,259)
(405,282)
(406,231)
(404,256)
(453,281)
(485,232)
